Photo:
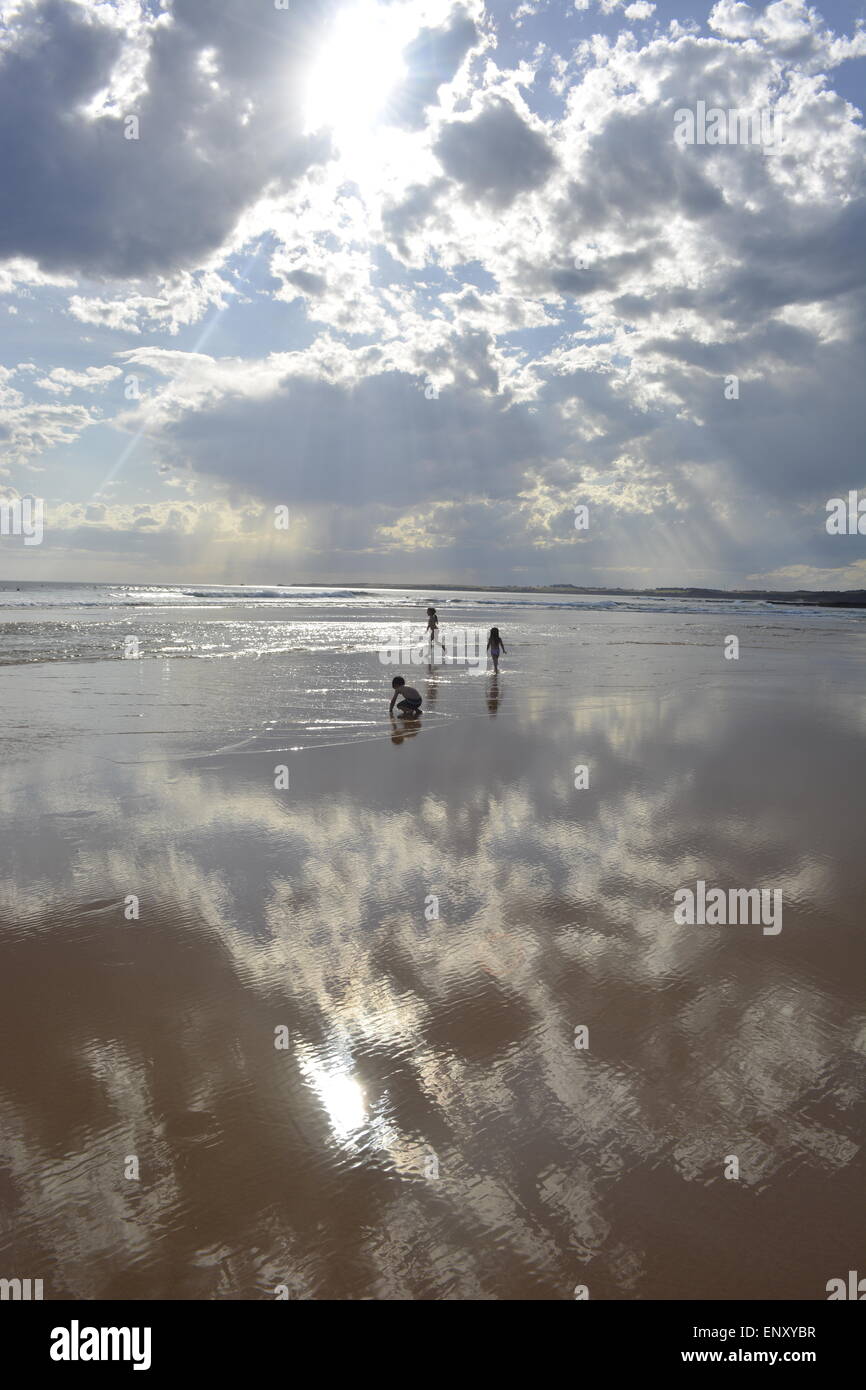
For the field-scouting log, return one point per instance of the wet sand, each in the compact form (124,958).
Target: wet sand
(429,1130)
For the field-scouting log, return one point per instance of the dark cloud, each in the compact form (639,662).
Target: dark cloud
(305,280)
(607,273)
(631,172)
(80,196)
(381,440)
(818,256)
(401,219)
(496,156)
(631,307)
(796,432)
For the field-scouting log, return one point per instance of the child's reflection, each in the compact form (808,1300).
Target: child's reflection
(404,728)
(493,695)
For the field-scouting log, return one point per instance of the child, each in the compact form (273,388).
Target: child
(411,701)
(495,645)
(433,627)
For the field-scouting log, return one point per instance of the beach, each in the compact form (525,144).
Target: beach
(400,1010)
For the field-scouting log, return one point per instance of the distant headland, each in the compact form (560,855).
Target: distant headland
(812,598)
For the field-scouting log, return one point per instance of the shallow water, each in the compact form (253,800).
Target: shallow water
(430,1130)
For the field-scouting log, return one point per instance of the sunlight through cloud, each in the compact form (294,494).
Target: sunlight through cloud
(360,63)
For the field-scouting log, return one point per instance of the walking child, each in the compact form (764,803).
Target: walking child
(433,628)
(495,645)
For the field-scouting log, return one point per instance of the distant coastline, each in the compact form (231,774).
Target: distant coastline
(808,598)
(813,598)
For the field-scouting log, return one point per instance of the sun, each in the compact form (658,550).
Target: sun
(360,63)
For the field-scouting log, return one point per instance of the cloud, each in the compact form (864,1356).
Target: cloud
(496,155)
(638,9)
(432,59)
(793,29)
(19,273)
(63,381)
(29,431)
(304,280)
(176,301)
(380,440)
(80,195)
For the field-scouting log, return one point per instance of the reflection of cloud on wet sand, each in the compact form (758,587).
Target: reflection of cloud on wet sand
(451,1036)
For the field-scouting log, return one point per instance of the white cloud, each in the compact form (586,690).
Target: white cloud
(29,431)
(63,381)
(20,273)
(174,303)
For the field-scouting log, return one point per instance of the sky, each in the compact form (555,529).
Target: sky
(302,292)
